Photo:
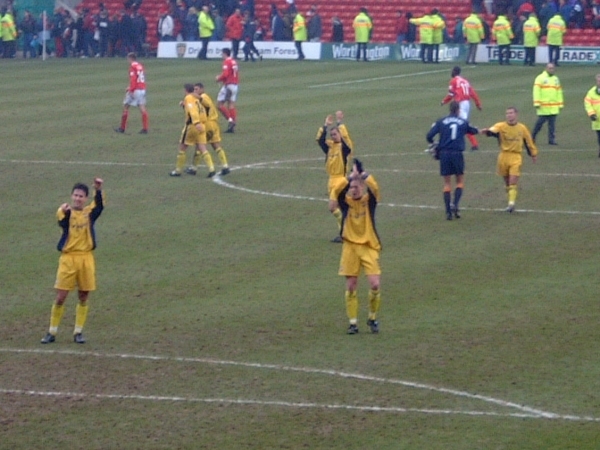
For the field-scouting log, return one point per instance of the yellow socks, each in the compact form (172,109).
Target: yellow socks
(222,156)
(81,312)
(180,161)
(512,194)
(374,302)
(352,306)
(208,161)
(55,317)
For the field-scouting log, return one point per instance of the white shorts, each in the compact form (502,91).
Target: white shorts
(228,92)
(464,109)
(135,98)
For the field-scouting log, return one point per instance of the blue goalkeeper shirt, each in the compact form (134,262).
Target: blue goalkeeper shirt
(452,131)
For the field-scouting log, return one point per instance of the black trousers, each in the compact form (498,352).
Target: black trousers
(554,54)
(529,56)
(204,50)
(361,47)
(298,45)
(504,54)
(551,127)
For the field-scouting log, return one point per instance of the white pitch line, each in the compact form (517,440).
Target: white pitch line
(368,80)
(276,164)
(525,411)
(384,409)
(81,163)
(424,171)
(280,165)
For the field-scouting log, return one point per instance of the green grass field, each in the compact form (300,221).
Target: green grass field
(219,319)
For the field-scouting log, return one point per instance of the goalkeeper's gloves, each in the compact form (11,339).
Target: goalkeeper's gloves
(593,117)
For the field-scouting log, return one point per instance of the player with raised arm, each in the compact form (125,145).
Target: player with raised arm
(357,197)
(135,94)
(227,96)
(338,152)
(76,265)
(461,91)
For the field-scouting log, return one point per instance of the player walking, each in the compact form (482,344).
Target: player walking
(135,95)
(451,130)
(227,95)
(461,91)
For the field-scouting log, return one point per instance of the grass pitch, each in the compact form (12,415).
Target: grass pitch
(219,319)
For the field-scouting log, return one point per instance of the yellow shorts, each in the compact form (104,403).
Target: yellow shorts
(213,132)
(355,256)
(333,182)
(509,164)
(76,269)
(191,136)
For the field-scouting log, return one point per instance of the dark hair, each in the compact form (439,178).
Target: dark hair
(189,87)
(455,71)
(132,55)
(454,108)
(81,187)
(200,85)
(226,51)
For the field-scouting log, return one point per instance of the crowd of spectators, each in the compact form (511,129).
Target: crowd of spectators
(85,33)
(573,13)
(79,33)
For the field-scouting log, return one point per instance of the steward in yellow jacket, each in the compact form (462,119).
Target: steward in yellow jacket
(556,29)
(425,25)
(548,101)
(531,38)
(591,103)
(438,34)
(503,35)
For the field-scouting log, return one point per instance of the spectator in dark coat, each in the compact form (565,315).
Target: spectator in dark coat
(337,29)
(277,27)
(191,31)
(139,28)
(411,35)
(315,26)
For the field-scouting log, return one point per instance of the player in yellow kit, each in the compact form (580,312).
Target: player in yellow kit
(76,265)
(193,133)
(338,152)
(213,129)
(357,197)
(512,137)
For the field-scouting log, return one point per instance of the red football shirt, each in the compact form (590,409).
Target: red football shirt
(229,75)
(137,79)
(459,90)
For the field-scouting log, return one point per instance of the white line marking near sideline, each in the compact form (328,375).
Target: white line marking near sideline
(279,164)
(525,411)
(272,164)
(538,174)
(368,80)
(273,403)
(82,163)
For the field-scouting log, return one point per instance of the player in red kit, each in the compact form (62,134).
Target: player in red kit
(135,95)
(227,95)
(461,91)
